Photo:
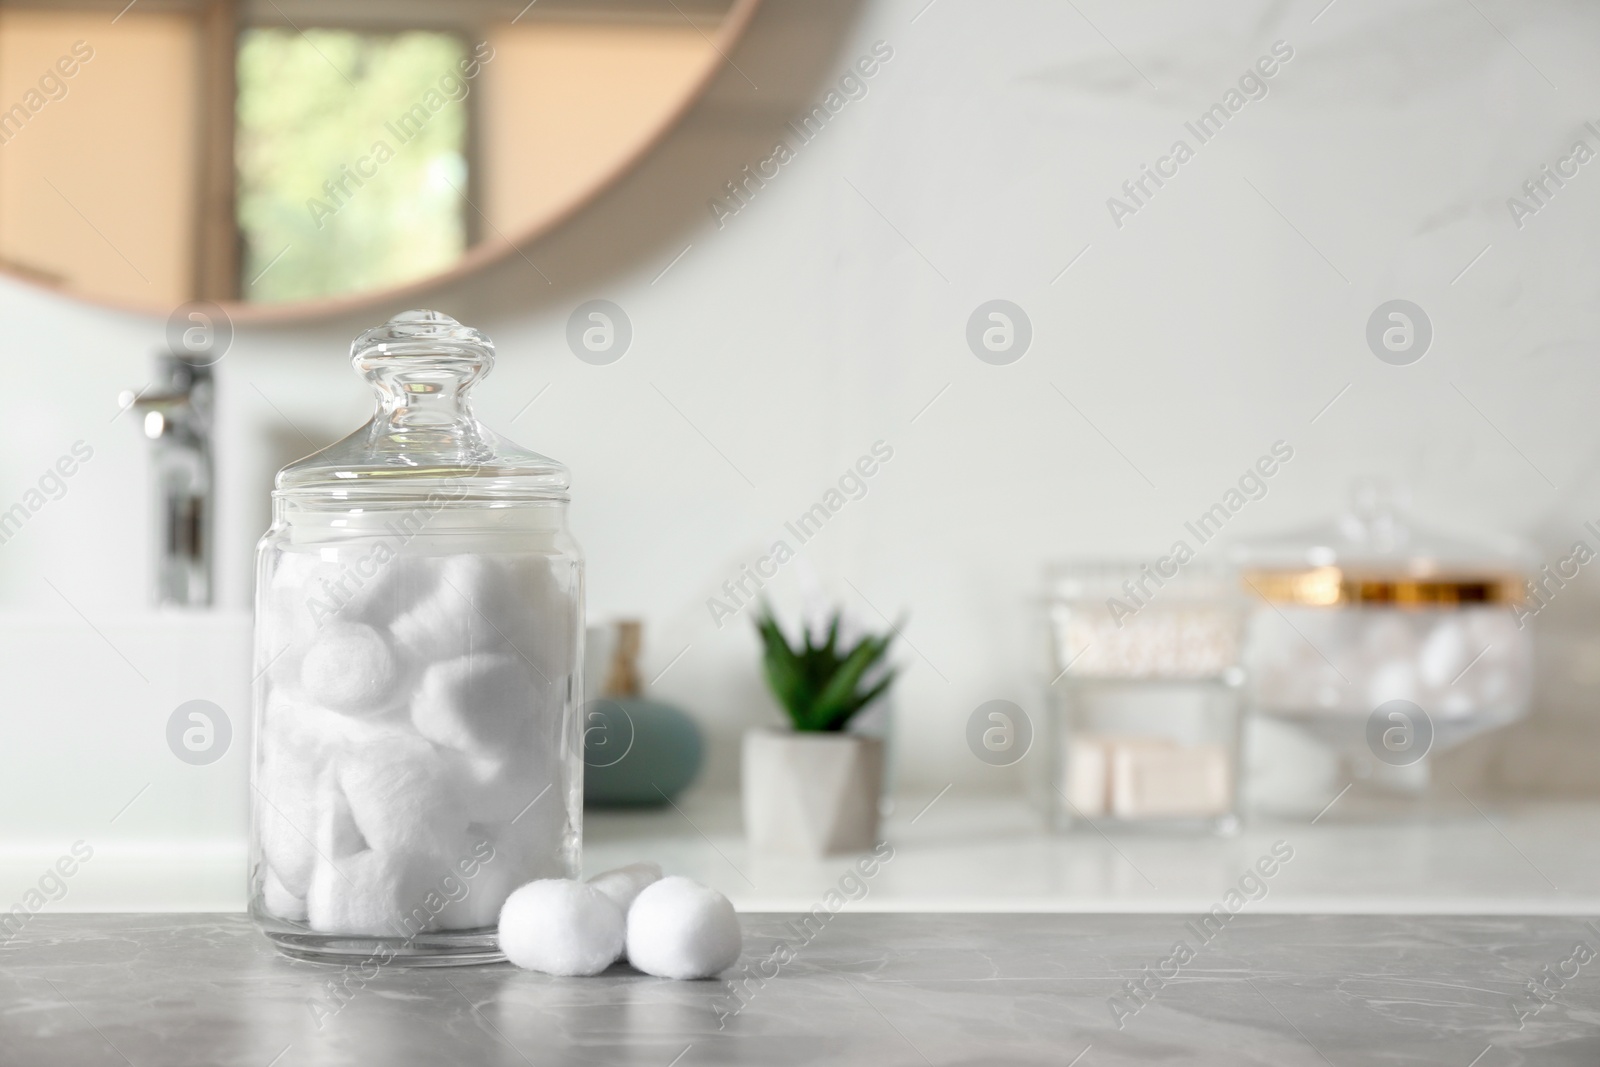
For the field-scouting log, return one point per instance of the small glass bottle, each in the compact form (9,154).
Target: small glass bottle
(419,622)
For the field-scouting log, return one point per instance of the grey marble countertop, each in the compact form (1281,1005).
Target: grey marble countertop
(878,989)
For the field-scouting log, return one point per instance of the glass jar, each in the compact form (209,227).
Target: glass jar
(1145,695)
(419,621)
(1386,639)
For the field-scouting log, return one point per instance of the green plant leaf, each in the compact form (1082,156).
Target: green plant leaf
(842,717)
(785,675)
(818,684)
(840,689)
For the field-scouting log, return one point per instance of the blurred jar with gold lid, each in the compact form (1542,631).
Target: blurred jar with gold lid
(1385,637)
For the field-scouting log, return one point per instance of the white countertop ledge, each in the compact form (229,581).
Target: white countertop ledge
(976,853)
(986,853)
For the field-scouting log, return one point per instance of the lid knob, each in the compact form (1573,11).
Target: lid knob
(422,356)
(423,438)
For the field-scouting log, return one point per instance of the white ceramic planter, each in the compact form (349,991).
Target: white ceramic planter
(811,794)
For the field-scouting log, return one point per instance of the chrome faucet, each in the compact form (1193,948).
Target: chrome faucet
(178,407)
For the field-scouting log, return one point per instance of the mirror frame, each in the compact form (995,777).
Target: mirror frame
(486,252)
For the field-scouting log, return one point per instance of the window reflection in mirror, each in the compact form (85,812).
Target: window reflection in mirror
(289,150)
(352,156)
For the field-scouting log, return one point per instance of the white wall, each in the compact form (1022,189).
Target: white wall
(814,323)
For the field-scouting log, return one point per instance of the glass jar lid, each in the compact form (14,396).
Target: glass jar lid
(1377,553)
(423,439)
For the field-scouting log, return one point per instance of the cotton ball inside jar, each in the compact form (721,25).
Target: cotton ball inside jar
(474,885)
(365,891)
(1394,680)
(318,734)
(479,704)
(350,668)
(678,928)
(471,611)
(1492,627)
(292,790)
(1456,702)
(286,628)
(1386,634)
(501,787)
(1492,686)
(553,620)
(487,605)
(279,901)
(1444,653)
(401,796)
(365,584)
(500,860)
(561,926)
(624,884)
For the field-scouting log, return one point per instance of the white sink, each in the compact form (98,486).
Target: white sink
(86,758)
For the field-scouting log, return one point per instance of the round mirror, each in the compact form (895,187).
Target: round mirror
(286,157)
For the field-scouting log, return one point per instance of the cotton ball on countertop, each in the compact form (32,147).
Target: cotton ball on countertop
(678,928)
(562,927)
(624,884)
(350,668)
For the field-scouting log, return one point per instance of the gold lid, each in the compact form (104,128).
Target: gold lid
(1335,587)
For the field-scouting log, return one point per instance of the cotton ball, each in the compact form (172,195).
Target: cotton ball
(363,891)
(285,833)
(1456,703)
(305,593)
(1444,653)
(401,796)
(475,884)
(1395,680)
(1491,627)
(545,832)
(678,928)
(498,788)
(370,893)
(471,611)
(476,703)
(316,734)
(279,901)
(500,860)
(282,637)
(560,926)
(1493,687)
(351,669)
(1388,635)
(624,884)
(290,793)
(365,585)
(487,605)
(552,614)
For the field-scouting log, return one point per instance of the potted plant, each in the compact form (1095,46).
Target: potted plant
(813,789)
